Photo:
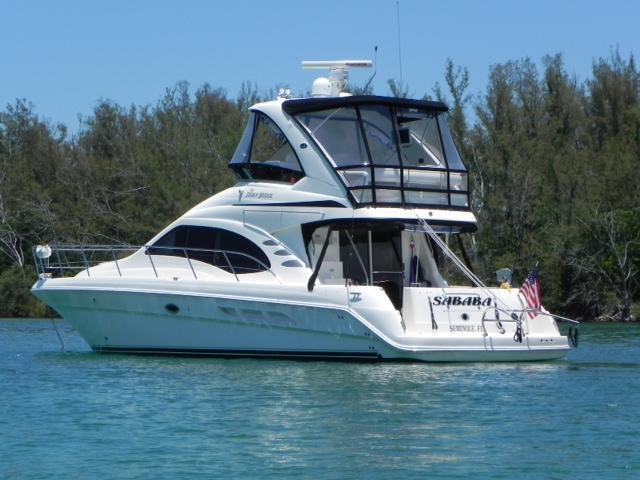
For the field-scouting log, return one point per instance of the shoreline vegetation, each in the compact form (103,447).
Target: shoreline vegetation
(554,166)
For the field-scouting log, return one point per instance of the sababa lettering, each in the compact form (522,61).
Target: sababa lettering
(462,301)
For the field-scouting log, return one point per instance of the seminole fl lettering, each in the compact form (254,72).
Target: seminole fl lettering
(465,328)
(450,300)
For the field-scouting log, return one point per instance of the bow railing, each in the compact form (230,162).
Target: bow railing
(66,260)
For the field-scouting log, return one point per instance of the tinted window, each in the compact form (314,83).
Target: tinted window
(241,155)
(391,155)
(215,246)
(378,127)
(453,158)
(338,131)
(264,153)
(421,145)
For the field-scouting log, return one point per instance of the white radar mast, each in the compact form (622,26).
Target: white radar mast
(333,85)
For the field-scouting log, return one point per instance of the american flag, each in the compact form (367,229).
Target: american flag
(530,290)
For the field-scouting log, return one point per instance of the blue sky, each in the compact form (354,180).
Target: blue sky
(64,56)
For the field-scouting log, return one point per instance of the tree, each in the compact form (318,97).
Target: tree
(398,89)
(553,174)
(609,264)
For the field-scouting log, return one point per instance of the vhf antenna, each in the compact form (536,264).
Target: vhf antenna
(399,44)
(375,68)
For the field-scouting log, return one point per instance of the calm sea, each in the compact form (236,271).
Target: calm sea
(82,415)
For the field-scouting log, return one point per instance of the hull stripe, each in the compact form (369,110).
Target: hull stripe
(225,353)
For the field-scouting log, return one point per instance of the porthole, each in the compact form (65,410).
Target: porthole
(292,263)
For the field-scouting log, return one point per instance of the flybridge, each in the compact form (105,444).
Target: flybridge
(387,151)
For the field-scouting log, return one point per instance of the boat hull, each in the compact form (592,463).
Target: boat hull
(227,324)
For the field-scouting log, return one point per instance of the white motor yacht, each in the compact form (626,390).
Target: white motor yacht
(333,244)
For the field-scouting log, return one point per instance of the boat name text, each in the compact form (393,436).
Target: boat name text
(473,301)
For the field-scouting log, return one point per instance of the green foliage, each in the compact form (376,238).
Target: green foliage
(554,174)
(17,301)
(398,89)
(607,264)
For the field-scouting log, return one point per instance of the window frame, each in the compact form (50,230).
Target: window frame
(243,168)
(184,251)
(371,187)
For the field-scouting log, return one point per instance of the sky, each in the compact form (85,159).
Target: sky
(65,56)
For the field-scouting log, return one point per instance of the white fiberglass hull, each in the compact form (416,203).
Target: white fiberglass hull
(235,321)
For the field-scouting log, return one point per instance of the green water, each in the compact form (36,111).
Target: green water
(83,415)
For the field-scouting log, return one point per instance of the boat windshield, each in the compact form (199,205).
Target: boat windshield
(388,154)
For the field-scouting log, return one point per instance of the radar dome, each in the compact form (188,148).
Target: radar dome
(321,87)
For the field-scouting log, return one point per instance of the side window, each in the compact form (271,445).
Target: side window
(272,157)
(241,155)
(339,133)
(264,153)
(378,126)
(221,248)
(271,146)
(421,146)
(244,255)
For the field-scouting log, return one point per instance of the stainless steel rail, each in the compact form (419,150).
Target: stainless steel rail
(517,316)
(66,259)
